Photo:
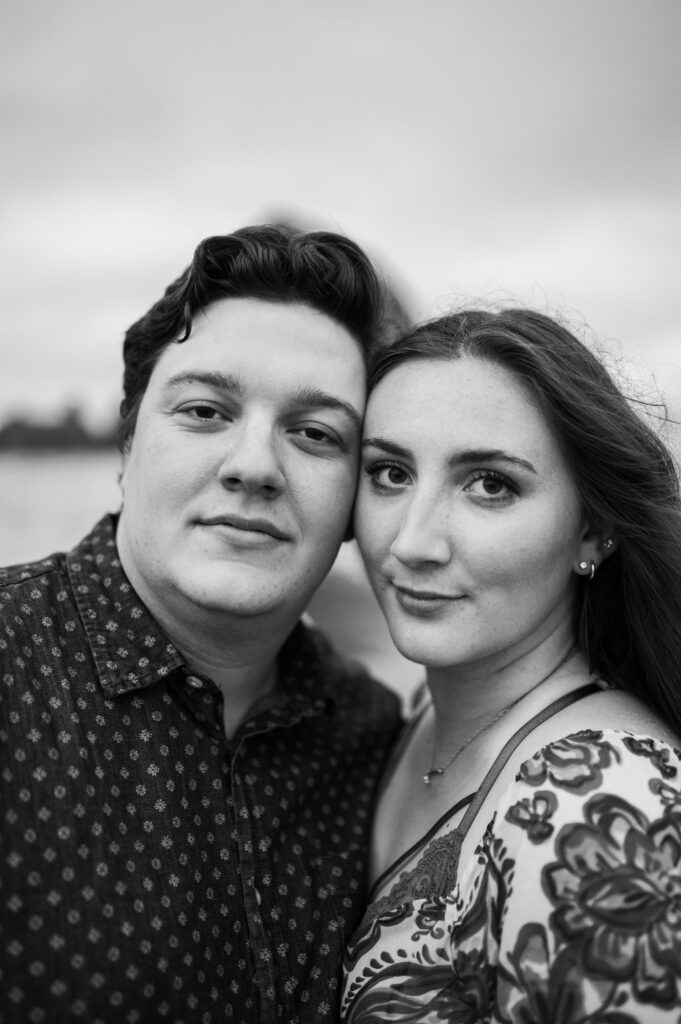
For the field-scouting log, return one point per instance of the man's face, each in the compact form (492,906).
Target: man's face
(239,482)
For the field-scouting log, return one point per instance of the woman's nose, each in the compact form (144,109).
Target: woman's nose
(423,534)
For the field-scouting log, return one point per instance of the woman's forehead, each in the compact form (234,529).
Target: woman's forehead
(459,401)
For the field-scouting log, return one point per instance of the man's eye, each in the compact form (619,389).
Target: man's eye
(316,434)
(205,413)
(318,437)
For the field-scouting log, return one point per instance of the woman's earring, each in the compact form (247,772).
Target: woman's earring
(607,544)
(584,569)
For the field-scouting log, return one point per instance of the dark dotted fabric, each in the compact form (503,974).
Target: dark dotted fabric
(151,871)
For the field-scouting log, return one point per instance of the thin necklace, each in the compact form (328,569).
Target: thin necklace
(432,772)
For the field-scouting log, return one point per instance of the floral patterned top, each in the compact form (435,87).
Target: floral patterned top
(568,912)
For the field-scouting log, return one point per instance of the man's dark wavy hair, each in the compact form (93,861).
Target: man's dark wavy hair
(325,271)
(628,618)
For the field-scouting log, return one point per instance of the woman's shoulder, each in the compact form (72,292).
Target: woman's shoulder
(606,742)
(614,709)
(588,778)
(619,762)
(611,748)
(583,843)
(607,716)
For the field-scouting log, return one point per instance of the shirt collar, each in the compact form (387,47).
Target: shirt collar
(130,649)
(131,652)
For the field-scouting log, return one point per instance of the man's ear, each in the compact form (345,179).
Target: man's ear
(121,472)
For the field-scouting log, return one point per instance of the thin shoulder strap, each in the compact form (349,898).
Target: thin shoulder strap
(514,742)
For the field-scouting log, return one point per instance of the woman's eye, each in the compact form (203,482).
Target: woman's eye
(388,476)
(491,485)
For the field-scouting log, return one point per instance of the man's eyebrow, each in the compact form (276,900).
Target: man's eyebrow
(212,378)
(315,398)
(460,458)
(303,398)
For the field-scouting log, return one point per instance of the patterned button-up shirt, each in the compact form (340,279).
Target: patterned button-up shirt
(152,870)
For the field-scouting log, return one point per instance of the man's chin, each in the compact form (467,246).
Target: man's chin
(238,599)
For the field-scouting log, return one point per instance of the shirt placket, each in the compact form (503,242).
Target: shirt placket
(204,700)
(269,945)
(247,837)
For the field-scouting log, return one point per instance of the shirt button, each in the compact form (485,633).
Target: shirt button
(257,896)
(195,682)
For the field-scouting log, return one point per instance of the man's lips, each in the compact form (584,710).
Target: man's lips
(247,525)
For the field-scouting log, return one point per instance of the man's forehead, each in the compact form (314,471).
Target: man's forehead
(235,311)
(249,334)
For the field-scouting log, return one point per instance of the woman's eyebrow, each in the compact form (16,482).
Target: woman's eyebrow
(389,447)
(459,458)
(489,455)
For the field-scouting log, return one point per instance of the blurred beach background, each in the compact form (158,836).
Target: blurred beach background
(491,151)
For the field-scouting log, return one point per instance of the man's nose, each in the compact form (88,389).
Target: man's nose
(423,534)
(252,462)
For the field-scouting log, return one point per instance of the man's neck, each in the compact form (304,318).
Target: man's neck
(238,655)
(237,652)
(244,685)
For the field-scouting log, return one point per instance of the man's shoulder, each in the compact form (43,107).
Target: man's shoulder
(27,574)
(34,598)
(55,569)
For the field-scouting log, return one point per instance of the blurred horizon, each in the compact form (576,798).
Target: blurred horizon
(528,153)
(482,152)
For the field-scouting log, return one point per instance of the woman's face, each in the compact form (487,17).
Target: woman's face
(467,516)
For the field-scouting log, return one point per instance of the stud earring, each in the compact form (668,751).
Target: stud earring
(584,568)
(607,544)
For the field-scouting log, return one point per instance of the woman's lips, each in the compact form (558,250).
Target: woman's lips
(423,601)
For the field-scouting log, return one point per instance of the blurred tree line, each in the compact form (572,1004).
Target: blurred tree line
(71,433)
(68,433)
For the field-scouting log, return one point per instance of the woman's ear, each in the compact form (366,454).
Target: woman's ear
(594,548)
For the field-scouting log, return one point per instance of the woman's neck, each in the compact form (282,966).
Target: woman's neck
(469,694)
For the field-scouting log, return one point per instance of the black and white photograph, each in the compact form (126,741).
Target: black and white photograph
(340,512)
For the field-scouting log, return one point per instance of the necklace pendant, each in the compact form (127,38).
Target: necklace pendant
(430,775)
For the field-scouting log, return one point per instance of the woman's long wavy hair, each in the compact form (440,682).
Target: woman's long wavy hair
(628,618)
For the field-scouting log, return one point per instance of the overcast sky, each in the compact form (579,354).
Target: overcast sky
(527,150)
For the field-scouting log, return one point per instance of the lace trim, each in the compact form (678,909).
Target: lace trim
(434,873)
